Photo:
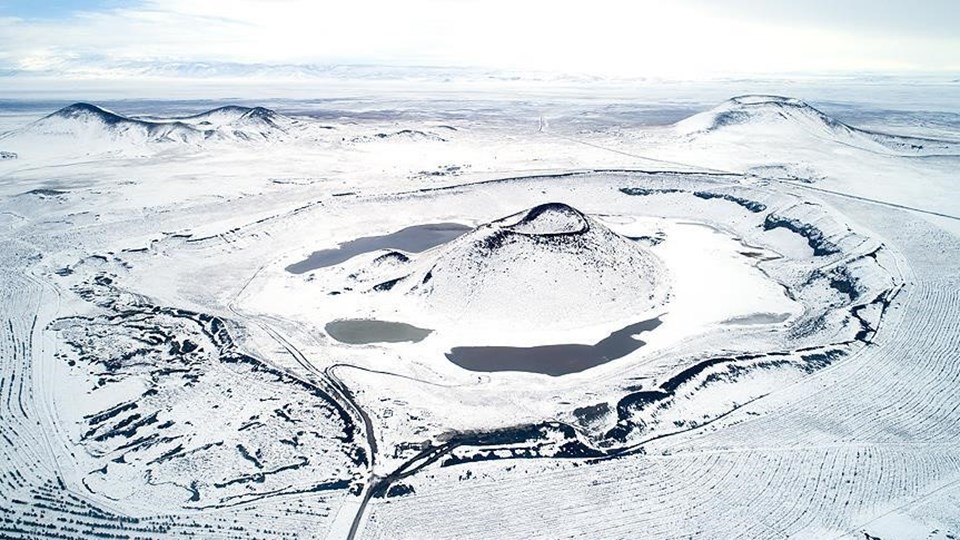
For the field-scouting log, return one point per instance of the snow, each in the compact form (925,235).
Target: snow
(164,375)
(85,130)
(529,272)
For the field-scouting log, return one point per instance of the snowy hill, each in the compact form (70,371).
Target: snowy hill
(90,129)
(218,117)
(762,116)
(535,268)
(246,123)
(407,135)
(758,110)
(85,129)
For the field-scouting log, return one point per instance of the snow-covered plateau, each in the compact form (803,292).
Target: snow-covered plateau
(478,319)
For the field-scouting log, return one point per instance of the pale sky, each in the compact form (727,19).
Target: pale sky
(640,38)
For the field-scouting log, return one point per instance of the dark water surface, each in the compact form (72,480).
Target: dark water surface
(363,331)
(412,239)
(554,360)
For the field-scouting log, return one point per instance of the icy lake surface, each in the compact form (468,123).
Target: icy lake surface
(364,331)
(414,239)
(553,360)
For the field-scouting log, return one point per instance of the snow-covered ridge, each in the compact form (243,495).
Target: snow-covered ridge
(755,109)
(764,114)
(88,129)
(86,120)
(547,219)
(410,135)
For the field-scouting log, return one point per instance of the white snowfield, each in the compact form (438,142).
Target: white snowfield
(416,323)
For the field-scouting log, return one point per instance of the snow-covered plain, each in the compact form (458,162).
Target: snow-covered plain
(768,296)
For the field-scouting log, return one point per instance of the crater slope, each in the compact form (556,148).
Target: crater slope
(548,266)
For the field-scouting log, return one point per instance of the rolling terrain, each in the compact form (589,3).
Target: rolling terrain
(740,325)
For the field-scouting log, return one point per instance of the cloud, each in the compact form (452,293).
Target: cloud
(603,37)
(893,19)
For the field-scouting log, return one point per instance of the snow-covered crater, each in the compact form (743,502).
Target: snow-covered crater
(547,267)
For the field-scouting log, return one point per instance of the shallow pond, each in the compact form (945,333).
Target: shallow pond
(411,239)
(552,360)
(363,331)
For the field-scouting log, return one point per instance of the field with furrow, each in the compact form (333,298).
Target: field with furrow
(818,459)
(498,316)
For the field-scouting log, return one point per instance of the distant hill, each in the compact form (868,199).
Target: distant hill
(763,115)
(87,129)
